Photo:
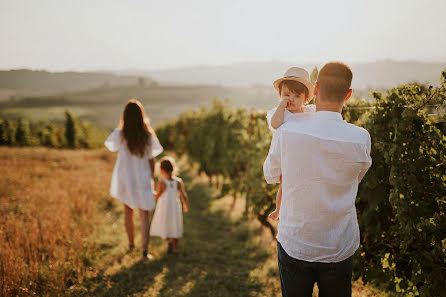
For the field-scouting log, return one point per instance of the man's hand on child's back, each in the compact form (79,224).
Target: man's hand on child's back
(274,215)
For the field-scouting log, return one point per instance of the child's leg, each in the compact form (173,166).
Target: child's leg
(275,214)
(129,227)
(145,225)
(175,245)
(169,245)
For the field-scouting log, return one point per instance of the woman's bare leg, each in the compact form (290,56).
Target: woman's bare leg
(145,229)
(129,227)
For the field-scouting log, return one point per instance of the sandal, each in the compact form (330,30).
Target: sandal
(146,255)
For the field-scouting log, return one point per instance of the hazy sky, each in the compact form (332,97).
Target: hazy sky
(146,34)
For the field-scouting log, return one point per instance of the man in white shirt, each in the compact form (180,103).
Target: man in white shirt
(321,160)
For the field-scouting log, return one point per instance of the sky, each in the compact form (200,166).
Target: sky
(150,35)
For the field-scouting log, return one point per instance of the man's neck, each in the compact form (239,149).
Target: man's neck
(328,106)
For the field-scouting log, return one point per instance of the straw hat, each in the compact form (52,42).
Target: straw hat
(296,74)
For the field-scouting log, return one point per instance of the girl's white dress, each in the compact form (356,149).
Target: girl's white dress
(132,178)
(168,218)
(289,116)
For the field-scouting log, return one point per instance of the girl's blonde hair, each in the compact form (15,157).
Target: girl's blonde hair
(135,128)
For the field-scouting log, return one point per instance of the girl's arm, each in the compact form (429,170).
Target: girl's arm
(183,195)
(279,114)
(160,188)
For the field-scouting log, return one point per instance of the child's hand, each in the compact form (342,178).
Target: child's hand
(274,215)
(284,102)
(186,208)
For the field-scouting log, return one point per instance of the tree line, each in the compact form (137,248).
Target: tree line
(73,134)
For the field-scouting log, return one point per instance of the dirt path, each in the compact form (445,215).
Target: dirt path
(217,258)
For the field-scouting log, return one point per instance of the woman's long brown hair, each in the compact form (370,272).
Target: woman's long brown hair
(135,128)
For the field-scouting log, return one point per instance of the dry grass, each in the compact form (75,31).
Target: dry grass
(49,205)
(61,234)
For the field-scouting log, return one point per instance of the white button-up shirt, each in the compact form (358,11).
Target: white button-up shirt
(321,159)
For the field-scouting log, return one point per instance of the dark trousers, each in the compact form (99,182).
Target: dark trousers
(297,277)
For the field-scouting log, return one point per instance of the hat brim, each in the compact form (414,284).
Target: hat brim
(306,83)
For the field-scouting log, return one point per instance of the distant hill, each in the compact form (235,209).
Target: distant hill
(379,75)
(23,81)
(382,74)
(103,106)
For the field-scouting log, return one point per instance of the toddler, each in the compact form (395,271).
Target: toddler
(168,218)
(294,89)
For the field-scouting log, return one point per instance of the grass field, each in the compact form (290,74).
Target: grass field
(61,234)
(103,106)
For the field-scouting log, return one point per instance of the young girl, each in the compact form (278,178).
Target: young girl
(295,89)
(132,179)
(168,218)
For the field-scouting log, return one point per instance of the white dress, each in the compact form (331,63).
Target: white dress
(289,116)
(132,178)
(168,218)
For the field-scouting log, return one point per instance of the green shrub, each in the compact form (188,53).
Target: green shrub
(75,133)
(7,132)
(402,199)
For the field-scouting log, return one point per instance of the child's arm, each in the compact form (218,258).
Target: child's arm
(275,214)
(160,188)
(183,195)
(279,114)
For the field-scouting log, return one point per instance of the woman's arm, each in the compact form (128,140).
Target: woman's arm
(160,188)
(152,167)
(183,195)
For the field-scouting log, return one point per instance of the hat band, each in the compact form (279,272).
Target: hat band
(290,76)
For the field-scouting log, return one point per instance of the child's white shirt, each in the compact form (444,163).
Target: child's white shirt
(289,116)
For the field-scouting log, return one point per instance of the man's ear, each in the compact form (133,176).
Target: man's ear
(349,94)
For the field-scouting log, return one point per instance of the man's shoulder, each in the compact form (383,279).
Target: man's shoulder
(335,130)
(357,129)
(295,122)
(358,132)
(294,126)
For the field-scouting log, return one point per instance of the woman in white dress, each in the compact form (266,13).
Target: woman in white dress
(132,180)
(168,218)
